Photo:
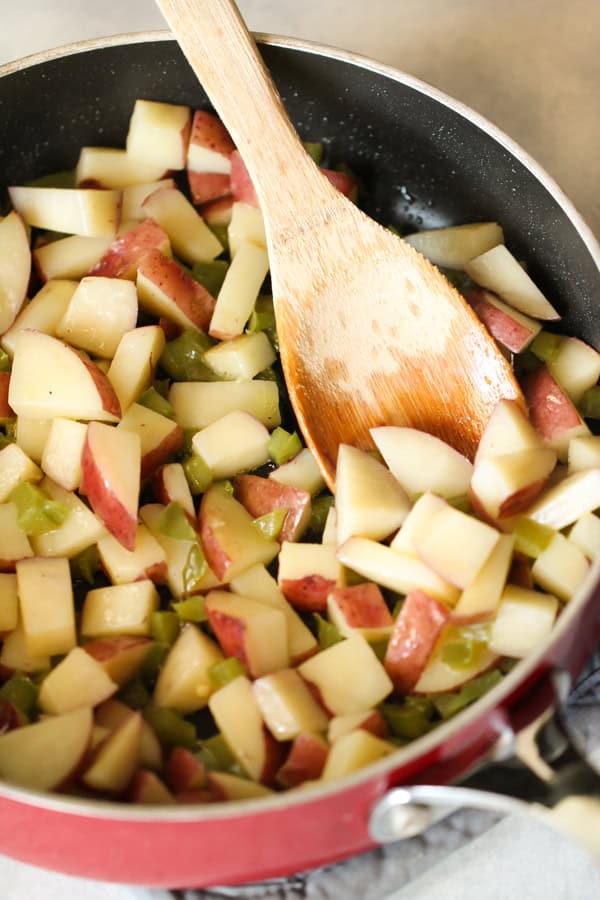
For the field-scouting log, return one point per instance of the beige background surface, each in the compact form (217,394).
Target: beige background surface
(531,66)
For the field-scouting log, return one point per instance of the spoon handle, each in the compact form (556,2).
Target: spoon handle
(222,53)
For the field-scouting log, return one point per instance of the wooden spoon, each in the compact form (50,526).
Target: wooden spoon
(370,332)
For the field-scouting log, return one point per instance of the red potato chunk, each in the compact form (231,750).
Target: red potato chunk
(125,254)
(362,606)
(309,593)
(344,183)
(551,412)
(184,771)
(241,184)
(208,131)
(208,186)
(511,328)
(261,496)
(166,290)
(416,631)
(305,760)
(5,409)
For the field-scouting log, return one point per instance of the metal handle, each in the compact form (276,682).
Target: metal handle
(546,775)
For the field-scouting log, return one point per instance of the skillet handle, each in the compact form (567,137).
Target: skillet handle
(406,812)
(543,772)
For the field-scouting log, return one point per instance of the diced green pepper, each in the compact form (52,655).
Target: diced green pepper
(198,474)
(38,677)
(318,514)
(63,179)
(546,345)
(153,660)
(227,670)
(270,524)
(409,720)
(525,363)
(221,232)
(174,523)
(151,399)
(36,512)
(531,537)
(263,319)
(507,664)
(4,361)
(226,485)
(135,694)
(85,565)
(283,445)
(164,626)
(183,357)
(260,321)
(461,502)
(353,578)
(397,607)
(463,646)
(327,633)
(379,648)
(215,753)
(191,609)
(187,448)
(21,691)
(449,704)
(194,570)
(268,374)
(162,385)
(589,405)
(5,440)
(170,728)
(210,275)
(459,279)
(314,150)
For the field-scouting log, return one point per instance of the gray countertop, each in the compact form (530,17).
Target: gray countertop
(533,68)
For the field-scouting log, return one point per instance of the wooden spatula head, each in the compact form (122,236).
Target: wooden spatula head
(372,334)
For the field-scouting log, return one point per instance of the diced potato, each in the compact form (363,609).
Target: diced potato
(121,609)
(353,751)
(198,403)
(47,606)
(302,472)
(585,534)
(9,602)
(183,683)
(348,676)
(15,467)
(78,680)
(499,271)
(561,568)
(235,443)
(246,226)
(454,246)
(239,291)
(523,622)
(242,357)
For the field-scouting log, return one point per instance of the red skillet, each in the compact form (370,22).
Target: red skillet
(405,140)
